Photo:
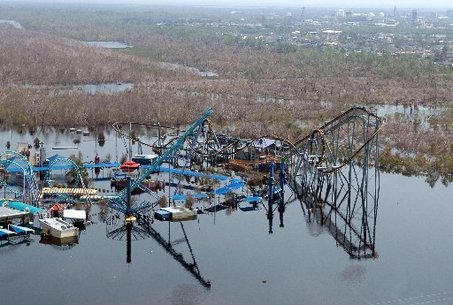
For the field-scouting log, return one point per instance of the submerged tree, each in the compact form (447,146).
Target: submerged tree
(36,143)
(163,202)
(77,174)
(101,139)
(189,202)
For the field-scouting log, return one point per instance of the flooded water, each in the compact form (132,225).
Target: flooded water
(202,73)
(13,23)
(92,89)
(297,264)
(419,115)
(86,146)
(409,110)
(108,44)
(106,88)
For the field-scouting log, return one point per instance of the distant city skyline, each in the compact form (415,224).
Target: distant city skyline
(447,4)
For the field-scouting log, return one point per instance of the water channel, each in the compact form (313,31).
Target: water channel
(297,264)
(107,44)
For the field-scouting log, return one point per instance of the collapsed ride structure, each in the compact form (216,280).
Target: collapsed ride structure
(334,171)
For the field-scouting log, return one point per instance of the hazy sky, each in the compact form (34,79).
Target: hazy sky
(280,3)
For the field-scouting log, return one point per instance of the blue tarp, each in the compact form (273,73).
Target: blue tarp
(253,199)
(17,229)
(229,187)
(236,185)
(188,172)
(57,159)
(179,197)
(17,205)
(15,169)
(223,190)
(200,196)
(194,196)
(236,180)
(120,175)
(15,164)
(54,167)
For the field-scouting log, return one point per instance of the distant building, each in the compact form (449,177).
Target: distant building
(414,16)
(395,12)
(340,13)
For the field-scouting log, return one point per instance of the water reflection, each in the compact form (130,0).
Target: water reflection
(353,274)
(408,109)
(185,295)
(418,115)
(59,243)
(120,227)
(340,205)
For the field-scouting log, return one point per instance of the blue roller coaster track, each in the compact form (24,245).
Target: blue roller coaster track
(119,202)
(14,160)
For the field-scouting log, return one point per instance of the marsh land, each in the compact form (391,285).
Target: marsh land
(264,71)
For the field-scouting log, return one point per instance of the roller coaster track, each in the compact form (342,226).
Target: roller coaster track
(119,203)
(30,191)
(161,130)
(322,142)
(333,170)
(339,141)
(329,148)
(204,142)
(77,170)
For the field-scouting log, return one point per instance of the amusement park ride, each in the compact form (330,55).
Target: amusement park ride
(333,172)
